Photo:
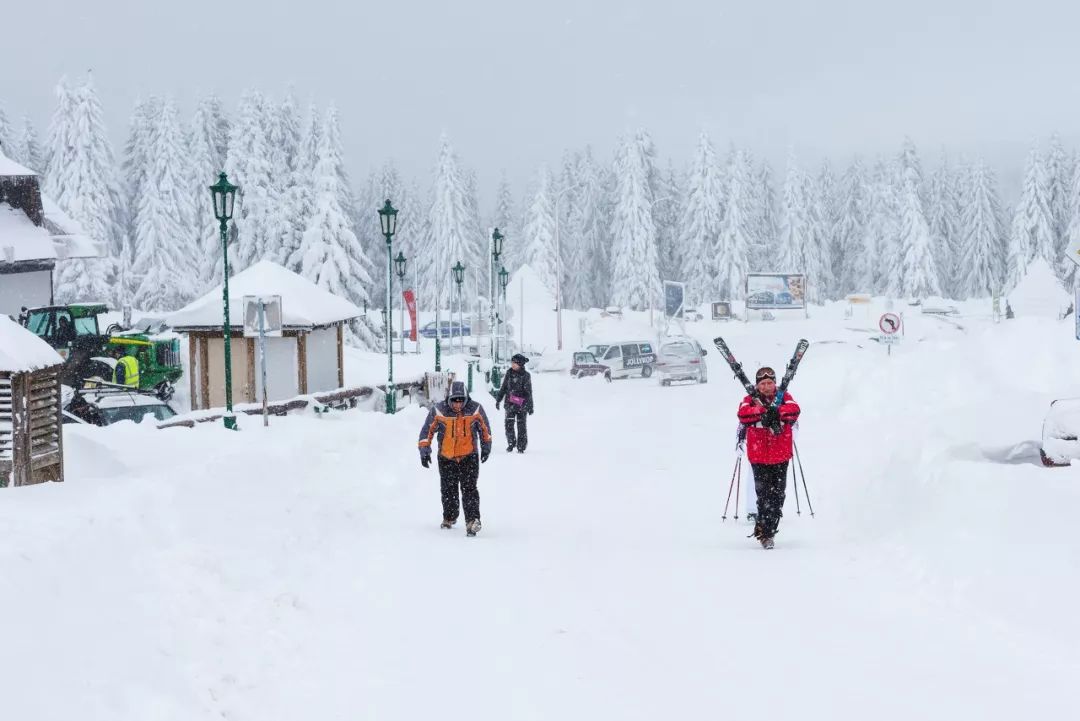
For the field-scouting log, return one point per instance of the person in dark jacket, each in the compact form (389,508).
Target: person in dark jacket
(768,448)
(462,428)
(516,390)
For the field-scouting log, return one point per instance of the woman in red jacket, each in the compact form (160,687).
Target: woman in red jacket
(768,447)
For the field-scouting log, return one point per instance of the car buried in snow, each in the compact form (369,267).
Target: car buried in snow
(1060,433)
(585,364)
(681,359)
(107,404)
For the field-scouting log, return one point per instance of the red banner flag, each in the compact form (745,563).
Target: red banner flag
(410,303)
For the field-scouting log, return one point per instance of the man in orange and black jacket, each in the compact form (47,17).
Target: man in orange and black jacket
(462,428)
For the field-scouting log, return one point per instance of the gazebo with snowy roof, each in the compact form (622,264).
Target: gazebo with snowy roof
(34,234)
(31,440)
(308,358)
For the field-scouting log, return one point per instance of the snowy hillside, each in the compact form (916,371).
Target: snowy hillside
(298,572)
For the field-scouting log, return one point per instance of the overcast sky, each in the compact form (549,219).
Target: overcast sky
(515,83)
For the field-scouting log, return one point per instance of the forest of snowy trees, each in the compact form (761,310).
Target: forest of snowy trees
(881,225)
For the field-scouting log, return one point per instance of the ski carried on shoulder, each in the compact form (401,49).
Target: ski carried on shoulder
(740,375)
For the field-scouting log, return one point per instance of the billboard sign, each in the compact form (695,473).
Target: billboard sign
(674,296)
(775,291)
(721,310)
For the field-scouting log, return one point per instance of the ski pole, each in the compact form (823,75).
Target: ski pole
(795,484)
(738,484)
(807,490)
(731,486)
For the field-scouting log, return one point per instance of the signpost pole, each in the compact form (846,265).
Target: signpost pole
(262,359)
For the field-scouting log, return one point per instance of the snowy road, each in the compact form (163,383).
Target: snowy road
(300,572)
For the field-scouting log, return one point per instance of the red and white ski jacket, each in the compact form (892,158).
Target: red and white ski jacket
(761,445)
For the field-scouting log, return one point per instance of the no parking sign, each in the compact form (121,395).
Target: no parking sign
(889,323)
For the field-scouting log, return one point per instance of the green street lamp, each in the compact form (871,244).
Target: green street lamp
(496,248)
(399,266)
(388,219)
(459,278)
(224,195)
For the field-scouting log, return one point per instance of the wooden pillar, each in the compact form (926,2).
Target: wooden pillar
(250,393)
(204,372)
(301,361)
(59,425)
(193,369)
(341,355)
(20,426)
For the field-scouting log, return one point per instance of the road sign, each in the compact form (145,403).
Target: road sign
(889,323)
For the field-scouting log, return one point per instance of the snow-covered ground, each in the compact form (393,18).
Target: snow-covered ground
(298,572)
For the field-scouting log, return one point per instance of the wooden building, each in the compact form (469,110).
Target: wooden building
(307,358)
(31,439)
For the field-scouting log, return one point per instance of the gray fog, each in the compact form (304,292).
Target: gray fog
(514,84)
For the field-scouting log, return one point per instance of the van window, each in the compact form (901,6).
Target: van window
(613,352)
(630,350)
(646,348)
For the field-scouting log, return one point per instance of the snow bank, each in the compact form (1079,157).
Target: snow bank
(532,311)
(1039,292)
(21,350)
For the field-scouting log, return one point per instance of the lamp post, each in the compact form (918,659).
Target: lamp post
(388,219)
(504,278)
(399,265)
(224,195)
(496,248)
(459,278)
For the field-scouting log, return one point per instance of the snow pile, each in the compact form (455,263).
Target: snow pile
(26,240)
(532,311)
(303,304)
(1039,293)
(21,350)
(11,168)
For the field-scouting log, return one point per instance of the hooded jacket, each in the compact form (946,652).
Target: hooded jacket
(518,384)
(459,434)
(761,445)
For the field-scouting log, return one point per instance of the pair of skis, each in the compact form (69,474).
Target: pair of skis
(751,389)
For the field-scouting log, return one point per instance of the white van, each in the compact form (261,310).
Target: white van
(629,358)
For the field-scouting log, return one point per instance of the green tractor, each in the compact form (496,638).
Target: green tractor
(74,332)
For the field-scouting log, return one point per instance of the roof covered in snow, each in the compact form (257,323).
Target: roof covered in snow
(303,304)
(10,167)
(1039,292)
(26,240)
(21,350)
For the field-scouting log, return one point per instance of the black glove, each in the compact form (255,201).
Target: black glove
(497,404)
(772,419)
(484,455)
(530,411)
(425,460)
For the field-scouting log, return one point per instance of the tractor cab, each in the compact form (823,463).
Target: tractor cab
(65,326)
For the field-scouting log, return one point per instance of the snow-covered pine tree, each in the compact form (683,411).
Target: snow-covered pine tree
(920,277)
(476,252)
(768,221)
(538,234)
(943,216)
(81,179)
(8,144)
(330,254)
(589,222)
(284,234)
(818,258)
(448,226)
(699,226)
(981,265)
(736,236)
(1032,233)
(1059,174)
(248,166)
(306,161)
(849,233)
(797,232)
(635,279)
(167,253)
(1066,268)
(206,163)
(668,211)
(29,147)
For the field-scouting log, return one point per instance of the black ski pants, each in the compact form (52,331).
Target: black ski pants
(462,474)
(520,438)
(770,483)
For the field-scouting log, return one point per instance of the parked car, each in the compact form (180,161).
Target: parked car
(692,315)
(612,311)
(585,364)
(630,358)
(107,405)
(681,359)
(450,329)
